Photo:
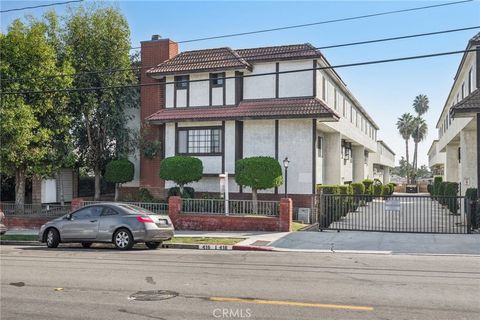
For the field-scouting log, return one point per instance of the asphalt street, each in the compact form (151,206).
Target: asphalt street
(77,283)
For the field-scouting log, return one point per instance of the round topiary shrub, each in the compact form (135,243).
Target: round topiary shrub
(182,170)
(258,173)
(118,172)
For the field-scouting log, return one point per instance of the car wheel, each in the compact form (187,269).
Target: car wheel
(123,239)
(153,244)
(53,238)
(86,244)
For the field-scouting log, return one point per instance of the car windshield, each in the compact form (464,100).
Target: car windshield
(133,209)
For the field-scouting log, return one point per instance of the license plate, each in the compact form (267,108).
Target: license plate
(163,222)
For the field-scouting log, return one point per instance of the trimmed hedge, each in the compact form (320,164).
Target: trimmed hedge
(358,188)
(119,171)
(471,194)
(258,173)
(188,192)
(181,169)
(437,181)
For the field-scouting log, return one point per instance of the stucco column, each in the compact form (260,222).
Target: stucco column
(468,156)
(358,157)
(386,175)
(451,163)
(332,158)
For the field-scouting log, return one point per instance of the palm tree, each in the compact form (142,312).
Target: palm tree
(405,128)
(419,134)
(420,104)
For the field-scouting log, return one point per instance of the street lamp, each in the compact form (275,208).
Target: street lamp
(285,165)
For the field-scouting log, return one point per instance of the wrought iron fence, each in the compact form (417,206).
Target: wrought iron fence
(156,207)
(235,207)
(396,213)
(34,210)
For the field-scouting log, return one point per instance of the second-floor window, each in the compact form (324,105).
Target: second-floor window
(217,79)
(199,141)
(181,82)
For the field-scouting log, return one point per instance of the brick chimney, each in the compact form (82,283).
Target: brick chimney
(152,99)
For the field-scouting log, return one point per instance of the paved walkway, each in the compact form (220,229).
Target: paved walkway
(415,214)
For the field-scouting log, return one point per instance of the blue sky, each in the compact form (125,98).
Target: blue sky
(385,90)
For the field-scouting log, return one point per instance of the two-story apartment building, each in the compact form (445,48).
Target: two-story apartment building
(436,160)
(383,160)
(224,104)
(457,124)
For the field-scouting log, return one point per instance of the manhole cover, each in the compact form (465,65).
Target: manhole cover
(153,295)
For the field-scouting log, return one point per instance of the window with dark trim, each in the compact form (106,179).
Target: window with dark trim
(217,79)
(181,82)
(199,141)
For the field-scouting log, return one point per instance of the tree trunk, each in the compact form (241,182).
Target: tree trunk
(98,175)
(408,161)
(116,191)
(62,193)
(19,189)
(255,200)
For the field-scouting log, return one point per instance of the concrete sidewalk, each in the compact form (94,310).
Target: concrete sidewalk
(379,242)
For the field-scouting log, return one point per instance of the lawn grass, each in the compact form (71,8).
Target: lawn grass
(192,240)
(204,240)
(19,237)
(297,226)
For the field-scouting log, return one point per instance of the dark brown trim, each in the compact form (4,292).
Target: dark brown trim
(217,174)
(239,144)
(174,96)
(238,87)
(224,92)
(210,93)
(163,140)
(276,146)
(314,156)
(188,93)
(223,145)
(277,79)
(478,69)
(176,138)
(314,78)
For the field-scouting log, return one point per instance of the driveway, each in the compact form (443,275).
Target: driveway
(383,242)
(416,213)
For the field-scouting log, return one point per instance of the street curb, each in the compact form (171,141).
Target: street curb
(251,248)
(19,243)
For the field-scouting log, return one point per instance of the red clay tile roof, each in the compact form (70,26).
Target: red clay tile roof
(471,104)
(280,108)
(228,59)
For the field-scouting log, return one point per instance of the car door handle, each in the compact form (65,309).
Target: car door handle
(93,220)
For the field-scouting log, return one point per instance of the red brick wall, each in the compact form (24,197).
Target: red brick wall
(206,222)
(19,223)
(152,99)
(298,200)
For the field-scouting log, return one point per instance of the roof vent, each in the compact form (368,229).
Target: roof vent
(156,37)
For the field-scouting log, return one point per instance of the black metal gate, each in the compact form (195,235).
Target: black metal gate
(396,213)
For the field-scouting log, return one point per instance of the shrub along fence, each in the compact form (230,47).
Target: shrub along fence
(347,198)
(446,193)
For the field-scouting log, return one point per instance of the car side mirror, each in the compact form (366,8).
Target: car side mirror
(68,217)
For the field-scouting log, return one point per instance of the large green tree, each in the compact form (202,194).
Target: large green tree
(33,126)
(421,106)
(99,39)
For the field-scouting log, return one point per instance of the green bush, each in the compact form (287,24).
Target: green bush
(181,170)
(377,190)
(358,188)
(430,189)
(188,192)
(119,171)
(258,173)
(328,189)
(386,190)
(392,187)
(440,192)
(471,194)
(436,185)
(368,183)
(451,192)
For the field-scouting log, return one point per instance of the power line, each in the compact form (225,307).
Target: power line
(40,6)
(255,56)
(438,54)
(326,21)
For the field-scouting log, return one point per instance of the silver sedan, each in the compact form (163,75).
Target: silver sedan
(122,224)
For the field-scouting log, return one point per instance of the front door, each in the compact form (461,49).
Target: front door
(83,225)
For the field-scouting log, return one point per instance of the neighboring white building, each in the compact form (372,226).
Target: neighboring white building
(436,160)
(383,160)
(457,128)
(310,116)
